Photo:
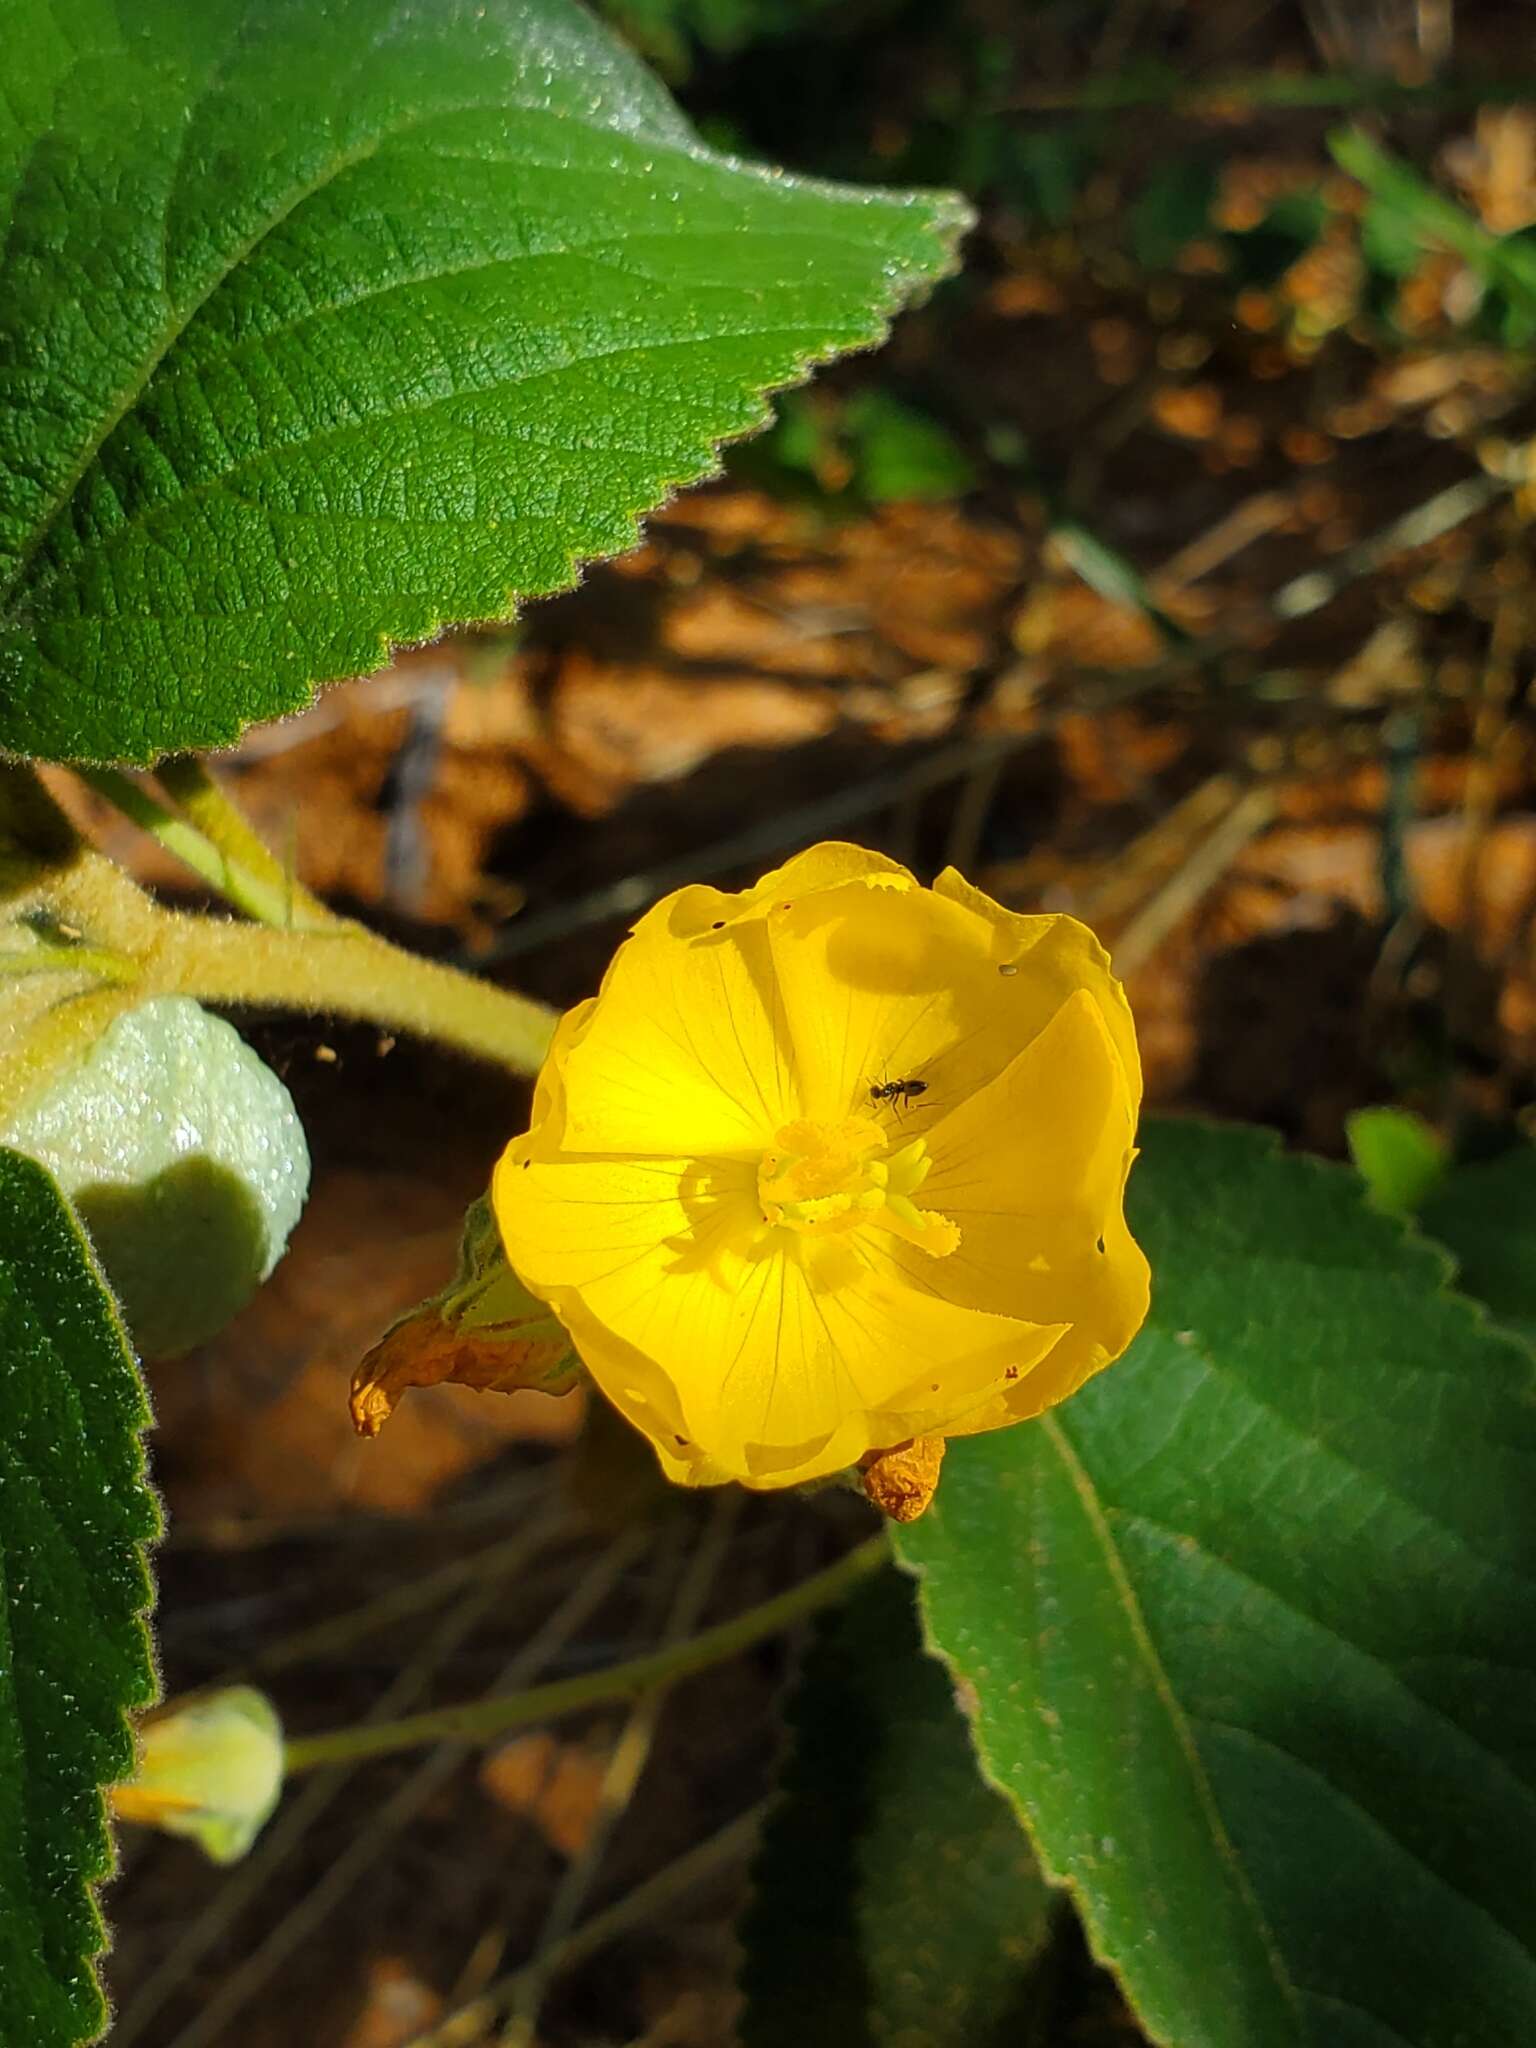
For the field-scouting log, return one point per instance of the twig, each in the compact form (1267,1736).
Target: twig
(977,795)
(1090,689)
(192,786)
(1168,906)
(480,1720)
(648,1901)
(1490,726)
(620,1780)
(636,892)
(1273,91)
(363,1850)
(400,1602)
(1437,516)
(255,894)
(236,1891)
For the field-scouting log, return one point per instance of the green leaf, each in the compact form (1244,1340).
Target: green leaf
(1486,1215)
(1398,1155)
(901,454)
(1505,263)
(185,1159)
(1252,1624)
(75,1514)
(896,1902)
(323,326)
(1389,241)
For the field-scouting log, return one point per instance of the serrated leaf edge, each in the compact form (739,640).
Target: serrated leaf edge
(96,1879)
(947,219)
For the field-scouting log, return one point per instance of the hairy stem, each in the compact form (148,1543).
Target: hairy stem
(208,805)
(342,970)
(263,893)
(298,956)
(347,971)
(483,1720)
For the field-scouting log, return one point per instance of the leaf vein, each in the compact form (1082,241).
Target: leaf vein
(1125,1592)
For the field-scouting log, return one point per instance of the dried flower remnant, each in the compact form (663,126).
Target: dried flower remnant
(774,1269)
(483,1331)
(903,1480)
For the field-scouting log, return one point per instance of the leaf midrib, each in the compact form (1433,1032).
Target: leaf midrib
(1146,1650)
(130,395)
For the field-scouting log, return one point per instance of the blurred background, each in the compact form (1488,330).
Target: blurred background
(1171,566)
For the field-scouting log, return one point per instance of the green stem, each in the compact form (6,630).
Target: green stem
(204,801)
(347,971)
(483,1720)
(269,902)
(298,955)
(45,958)
(1436,218)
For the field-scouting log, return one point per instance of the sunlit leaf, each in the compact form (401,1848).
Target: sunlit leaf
(323,326)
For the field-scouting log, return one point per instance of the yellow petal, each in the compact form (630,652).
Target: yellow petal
(684,1050)
(209,1767)
(1113,1307)
(653,1206)
(880,986)
(827,866)
(1056,955)
(762,1361)
(615,1226)
(1032,1169)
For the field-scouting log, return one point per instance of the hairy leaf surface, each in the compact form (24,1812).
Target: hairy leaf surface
(75,1514)
(323,326)
(1252,1624)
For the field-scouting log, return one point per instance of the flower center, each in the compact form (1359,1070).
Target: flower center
(820,1178)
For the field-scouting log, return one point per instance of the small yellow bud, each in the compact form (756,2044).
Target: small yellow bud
(210,1767)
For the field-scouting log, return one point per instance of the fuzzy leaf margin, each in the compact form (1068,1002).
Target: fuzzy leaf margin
(324,328)
(75,1516)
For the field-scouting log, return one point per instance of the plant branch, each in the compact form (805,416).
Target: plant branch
(208,805)
(344,971)
(1271,90)
(653,1899)
(483,1720)
(621,1776)
(266,896)
(298,955)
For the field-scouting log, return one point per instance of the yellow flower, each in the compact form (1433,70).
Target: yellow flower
(832,1164)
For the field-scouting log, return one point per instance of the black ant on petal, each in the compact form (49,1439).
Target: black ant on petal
(897,1091)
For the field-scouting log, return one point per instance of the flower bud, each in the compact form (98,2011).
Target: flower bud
(211,1768)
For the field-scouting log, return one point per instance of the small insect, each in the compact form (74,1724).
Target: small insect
(897,1091)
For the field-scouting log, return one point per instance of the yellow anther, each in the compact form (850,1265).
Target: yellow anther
(824,1177)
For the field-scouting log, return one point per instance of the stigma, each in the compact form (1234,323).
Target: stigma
(824,1178)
